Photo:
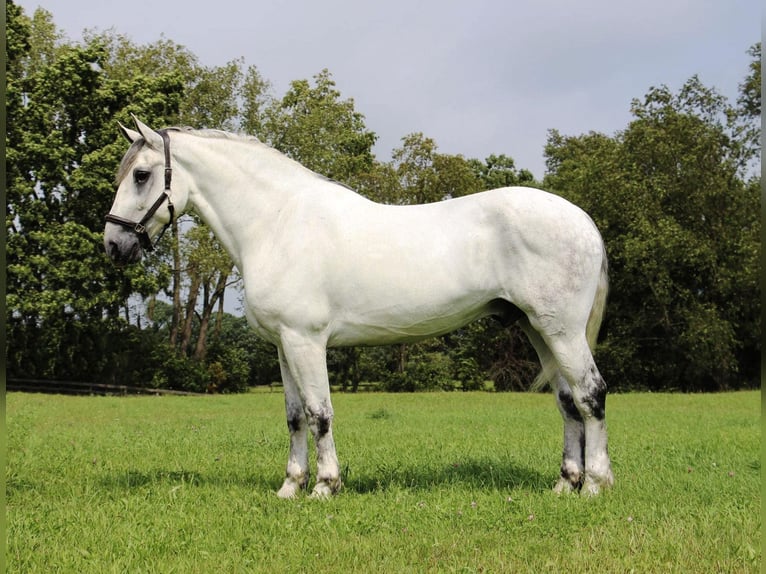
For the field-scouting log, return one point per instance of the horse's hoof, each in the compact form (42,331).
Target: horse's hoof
(321,493)
(289,490)
(325,489)
(593,486)
(564,486)
(590,488)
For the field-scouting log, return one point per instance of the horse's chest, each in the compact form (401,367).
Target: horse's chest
(273,306)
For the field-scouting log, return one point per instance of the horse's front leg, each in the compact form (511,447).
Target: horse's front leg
(306,361)
(298,472)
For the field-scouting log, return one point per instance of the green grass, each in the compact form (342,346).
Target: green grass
(432,483)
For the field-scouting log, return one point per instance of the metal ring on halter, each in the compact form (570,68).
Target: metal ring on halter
(139,228)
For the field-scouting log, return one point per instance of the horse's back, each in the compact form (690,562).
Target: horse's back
(414,271)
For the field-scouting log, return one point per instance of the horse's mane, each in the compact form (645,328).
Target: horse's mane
(126,165)
(211,133)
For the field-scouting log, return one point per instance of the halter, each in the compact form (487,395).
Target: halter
(140,228)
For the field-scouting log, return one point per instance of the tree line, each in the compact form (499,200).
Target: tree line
(674,193)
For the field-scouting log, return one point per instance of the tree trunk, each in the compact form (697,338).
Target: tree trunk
(207,312)
(402,358)
(191,303)
(219,315)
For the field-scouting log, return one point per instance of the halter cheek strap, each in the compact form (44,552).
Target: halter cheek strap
(139,228)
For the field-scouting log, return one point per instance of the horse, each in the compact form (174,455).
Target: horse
(324,266)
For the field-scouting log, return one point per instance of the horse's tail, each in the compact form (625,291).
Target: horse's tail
(599,302)
(592,327)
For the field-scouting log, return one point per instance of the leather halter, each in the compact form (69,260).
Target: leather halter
(139,228)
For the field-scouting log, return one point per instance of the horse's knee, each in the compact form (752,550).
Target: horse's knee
(567,406)
(320,419)
(296,419)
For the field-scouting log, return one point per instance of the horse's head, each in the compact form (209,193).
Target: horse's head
(144,206)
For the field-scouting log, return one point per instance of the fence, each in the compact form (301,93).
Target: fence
(79,388)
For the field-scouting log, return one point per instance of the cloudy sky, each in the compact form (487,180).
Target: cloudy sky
(479,77)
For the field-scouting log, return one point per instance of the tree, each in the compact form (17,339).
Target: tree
(60,157)
(314,126)
(681,232)
(500,171)
(414,166)
(749,104)
(199,267)
(210,99)
(209,269)
(255,92)
(673,193)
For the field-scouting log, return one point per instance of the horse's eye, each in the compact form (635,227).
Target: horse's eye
(141,176)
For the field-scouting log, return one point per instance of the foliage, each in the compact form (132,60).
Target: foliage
(236,336)
(424,371)
(176,372)
(61,152)
(208,269)
(440,482)
(500,171)
(749,104)
(425,176)
(673,193)
(499,353)
(314,126)
(682,235)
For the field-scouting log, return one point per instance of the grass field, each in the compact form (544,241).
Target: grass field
(432,483)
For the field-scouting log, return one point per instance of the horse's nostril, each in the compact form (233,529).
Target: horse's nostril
(114,250)
(123,252)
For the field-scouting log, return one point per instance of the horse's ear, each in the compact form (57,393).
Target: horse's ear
(152,138)
(130,135)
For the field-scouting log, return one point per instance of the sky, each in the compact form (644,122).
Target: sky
(479,78)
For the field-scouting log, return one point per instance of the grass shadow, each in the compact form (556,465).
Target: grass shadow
(135,479)
(474,473)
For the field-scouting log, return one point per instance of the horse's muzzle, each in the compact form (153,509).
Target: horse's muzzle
(123,248)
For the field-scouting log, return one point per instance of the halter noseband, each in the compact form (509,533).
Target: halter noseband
(140,228)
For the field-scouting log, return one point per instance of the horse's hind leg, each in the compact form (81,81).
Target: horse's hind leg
(573,457)
(588,394)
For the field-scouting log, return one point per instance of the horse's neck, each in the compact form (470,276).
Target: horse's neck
(239,189)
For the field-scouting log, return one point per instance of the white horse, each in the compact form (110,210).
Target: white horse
(323,266)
